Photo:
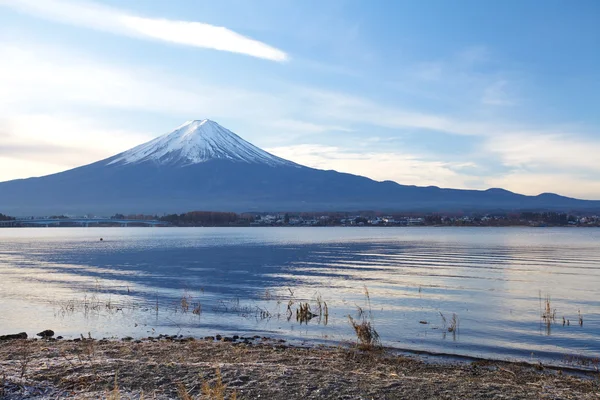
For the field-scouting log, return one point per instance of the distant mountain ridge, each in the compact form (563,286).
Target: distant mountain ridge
(203,166)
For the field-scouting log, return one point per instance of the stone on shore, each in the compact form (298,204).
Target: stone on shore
(14,336)
(48,333)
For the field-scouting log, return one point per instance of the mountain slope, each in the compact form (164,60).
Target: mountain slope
(203,166)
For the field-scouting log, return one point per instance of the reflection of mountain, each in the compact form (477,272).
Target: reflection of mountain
(202,165)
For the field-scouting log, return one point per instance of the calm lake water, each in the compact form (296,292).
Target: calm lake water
(202,281)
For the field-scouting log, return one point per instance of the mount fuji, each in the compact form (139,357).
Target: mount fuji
(203,166)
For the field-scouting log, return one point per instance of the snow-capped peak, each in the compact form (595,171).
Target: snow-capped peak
(196,142)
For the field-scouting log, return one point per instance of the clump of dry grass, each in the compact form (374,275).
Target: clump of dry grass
(322,310)
(87,352)
(218,390)
(454,323)
(24,357)
(289,309)
(183,393)
(304,313)
(366,334)
(185,303)
(548,314)
(115,393)
(197,309)
(2,384)
(451,326)
(214,391)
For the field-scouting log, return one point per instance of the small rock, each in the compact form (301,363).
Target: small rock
(59,337)
(48,333)
(209,338)
(235,337)
(227,339)
(219,337)
(127,339)
(21,335)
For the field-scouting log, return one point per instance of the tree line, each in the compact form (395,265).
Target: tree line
(206,218)
(6,217)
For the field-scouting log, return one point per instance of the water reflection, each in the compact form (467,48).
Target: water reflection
(464,291)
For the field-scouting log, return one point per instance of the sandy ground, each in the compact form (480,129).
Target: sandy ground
(265,369)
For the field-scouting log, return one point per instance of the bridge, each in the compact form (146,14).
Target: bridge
(49,222)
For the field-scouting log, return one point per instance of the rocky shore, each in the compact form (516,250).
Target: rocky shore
(172,367)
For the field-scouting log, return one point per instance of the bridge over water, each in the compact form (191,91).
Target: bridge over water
(50,222)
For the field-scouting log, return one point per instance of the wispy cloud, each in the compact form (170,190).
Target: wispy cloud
(44,77)
(545,151)
(40,144)
(409,169)
(340,106)
(496,94)
(104,18)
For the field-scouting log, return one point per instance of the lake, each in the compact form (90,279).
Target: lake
(529,294)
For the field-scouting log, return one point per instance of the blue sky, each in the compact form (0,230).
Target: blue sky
(465,94)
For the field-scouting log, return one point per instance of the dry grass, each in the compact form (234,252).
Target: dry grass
(269,372)
(2,383)
(304,313)
(185,303)
(548,314)
(367,336)
(451,326)
(246,311)
(24,357)
(454,324)
(183,393)
(218,390)
(197,309)
(87,352)
(115,393)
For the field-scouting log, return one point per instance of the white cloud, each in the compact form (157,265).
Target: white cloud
(336,106)
(39,144)
(403,168)
(544,151)
(104,18)
(49,77)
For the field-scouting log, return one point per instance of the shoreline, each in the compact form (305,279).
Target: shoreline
(256,367)
(312,226)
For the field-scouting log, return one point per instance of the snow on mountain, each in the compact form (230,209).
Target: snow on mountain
(196,142)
